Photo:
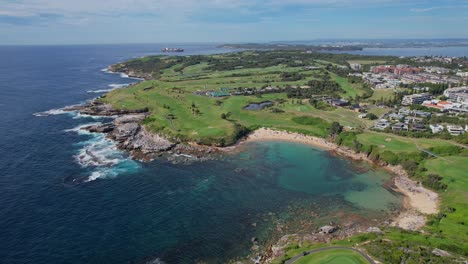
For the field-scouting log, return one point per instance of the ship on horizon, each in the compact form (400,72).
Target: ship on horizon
(172,50)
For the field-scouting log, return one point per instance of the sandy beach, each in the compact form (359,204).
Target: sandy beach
(418,201)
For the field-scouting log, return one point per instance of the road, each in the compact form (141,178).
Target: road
(295,258)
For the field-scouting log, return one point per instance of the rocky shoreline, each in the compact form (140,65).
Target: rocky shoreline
(130,135)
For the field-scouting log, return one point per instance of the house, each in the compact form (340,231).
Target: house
(415,98)
(413,120)
(382,124)
(396,117)
(399,127)
(356,108)
(422,114)
(436,128)
(355,66)
(462,74)
(337,102)
(418,128)
(455,130)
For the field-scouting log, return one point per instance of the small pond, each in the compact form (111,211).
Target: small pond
(258,106)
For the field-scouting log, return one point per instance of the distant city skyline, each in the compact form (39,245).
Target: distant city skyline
(221,21)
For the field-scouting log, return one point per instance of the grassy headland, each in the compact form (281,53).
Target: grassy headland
(177,94)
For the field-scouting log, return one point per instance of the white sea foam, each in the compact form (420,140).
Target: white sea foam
(99,91)
(118,85)
(101,156)
(124,75)
(57,111)
(79,129)
(112,86)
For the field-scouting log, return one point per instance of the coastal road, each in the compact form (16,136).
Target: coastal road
(295,258)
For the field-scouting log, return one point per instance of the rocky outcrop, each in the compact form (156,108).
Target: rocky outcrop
(97,108)
(127,130)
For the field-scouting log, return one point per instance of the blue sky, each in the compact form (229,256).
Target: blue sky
(152,21)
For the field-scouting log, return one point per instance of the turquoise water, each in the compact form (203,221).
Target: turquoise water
(301,168)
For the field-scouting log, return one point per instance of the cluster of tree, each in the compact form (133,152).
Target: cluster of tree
(324,87)
(319,104)
(434,88)
(456,120)
(291,76)
(340,71)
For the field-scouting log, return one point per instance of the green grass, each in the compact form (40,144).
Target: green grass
(454,171)
(351,89)
(398,144)
(333,256)
(382,93)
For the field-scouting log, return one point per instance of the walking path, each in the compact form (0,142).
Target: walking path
(295,258)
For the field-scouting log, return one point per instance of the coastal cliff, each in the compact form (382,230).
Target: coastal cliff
(127,130)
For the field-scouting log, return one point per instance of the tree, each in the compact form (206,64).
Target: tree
(371,116)
(223,116)
(335,128)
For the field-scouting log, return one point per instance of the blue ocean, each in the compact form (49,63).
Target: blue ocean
(58,206)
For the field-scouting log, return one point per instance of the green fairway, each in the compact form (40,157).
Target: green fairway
(351,90)
(398,144)
(333,256)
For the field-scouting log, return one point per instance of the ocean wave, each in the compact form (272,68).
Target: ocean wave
(99,91)
(101,156)
(118,85)
(112,86)
(57,111)
(124,75)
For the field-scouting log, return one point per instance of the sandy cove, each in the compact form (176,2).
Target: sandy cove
(418,201)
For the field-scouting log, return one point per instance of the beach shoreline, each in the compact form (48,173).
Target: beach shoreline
(418,202)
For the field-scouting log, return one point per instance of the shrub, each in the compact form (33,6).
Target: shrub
(434,181)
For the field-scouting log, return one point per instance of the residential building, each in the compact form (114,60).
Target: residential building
(455,130)
(415,99)
(399,127)
(453,93)
(355,66)
(382,124)
(436,128)
(418,128)
(462,74)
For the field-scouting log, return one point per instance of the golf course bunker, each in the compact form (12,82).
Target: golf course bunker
(259,106)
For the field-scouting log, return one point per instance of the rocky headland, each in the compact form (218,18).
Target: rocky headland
(127,130)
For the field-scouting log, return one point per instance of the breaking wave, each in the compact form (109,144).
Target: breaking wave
(58,111)
(100,156)
(112,86)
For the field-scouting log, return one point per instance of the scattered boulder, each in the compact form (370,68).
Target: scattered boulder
(374,229)
(441,253)
(328,229)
